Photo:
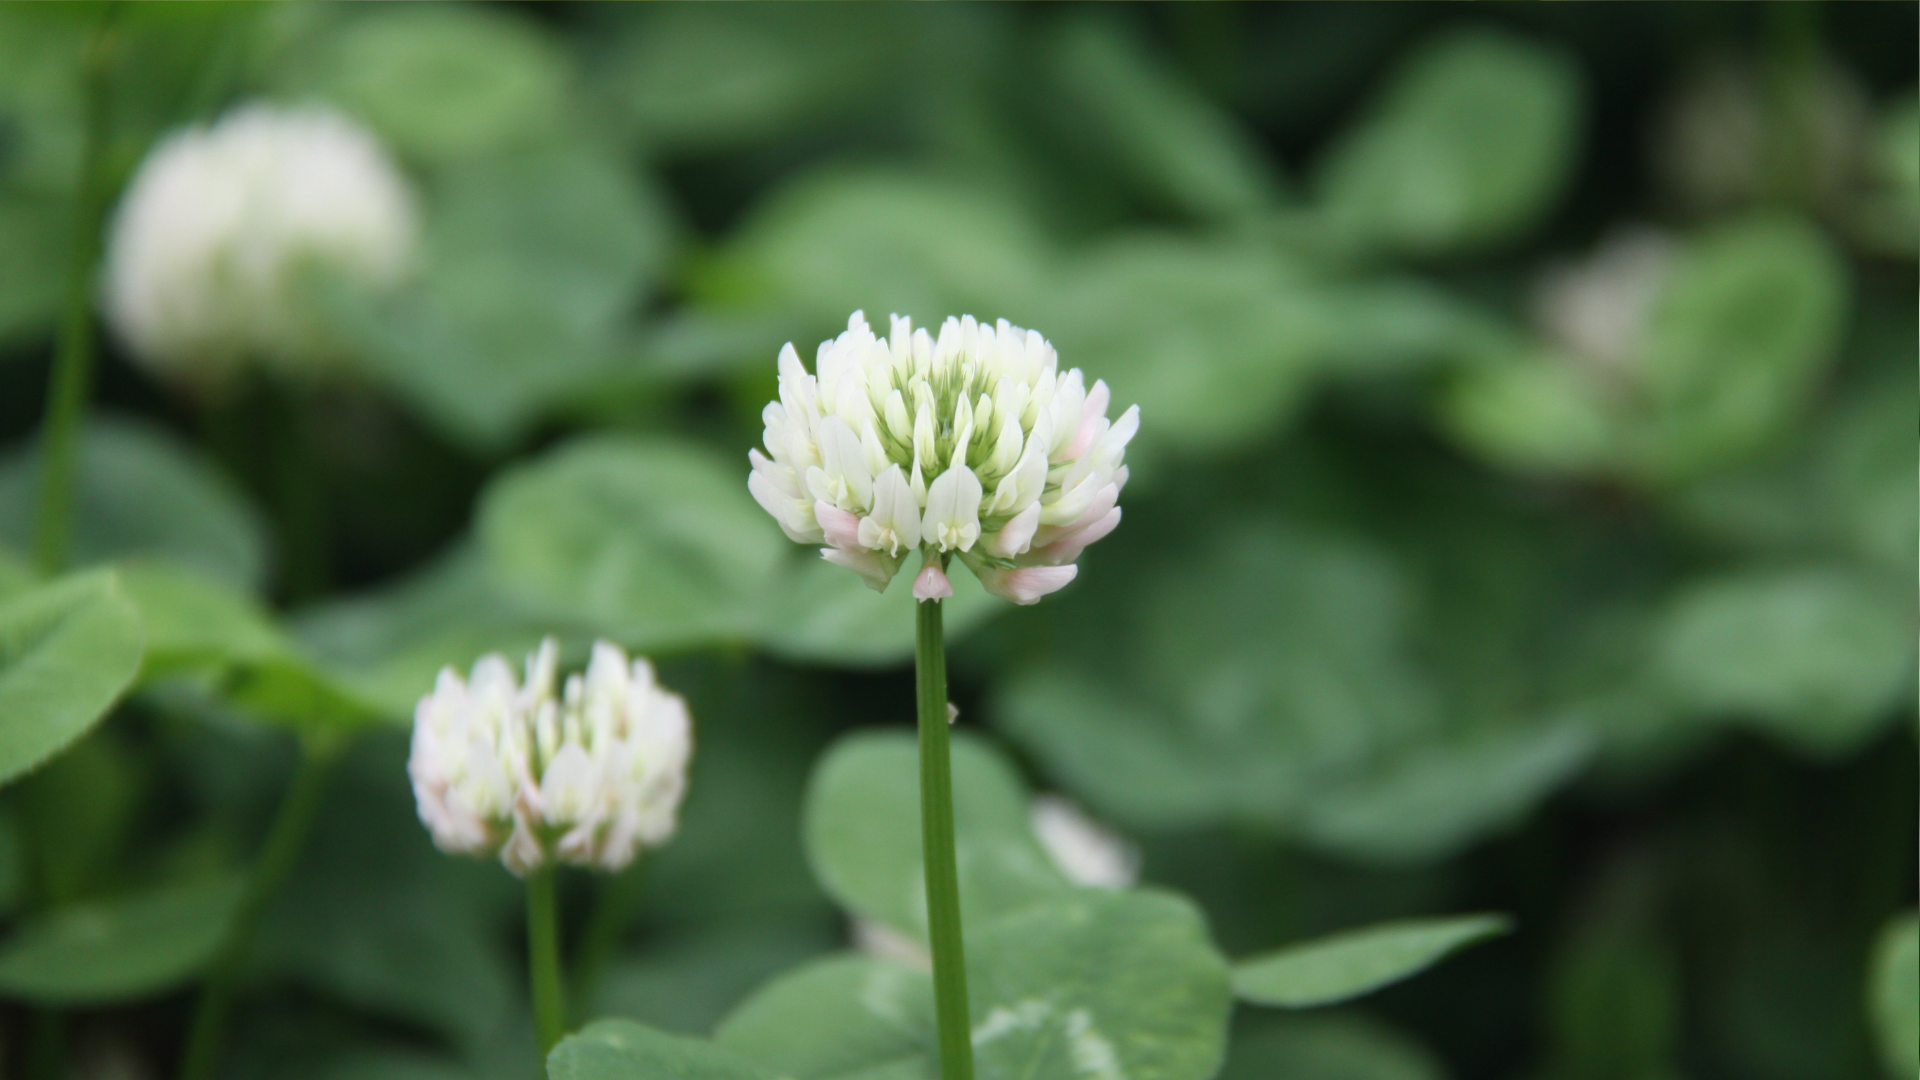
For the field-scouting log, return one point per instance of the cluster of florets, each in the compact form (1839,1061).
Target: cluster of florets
(587,777)
(213,250)
(973,445)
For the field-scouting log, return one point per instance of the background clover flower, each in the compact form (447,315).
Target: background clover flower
(586,777)
(973,445)
(210,245)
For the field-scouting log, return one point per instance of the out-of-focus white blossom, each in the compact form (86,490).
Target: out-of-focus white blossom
(1731,127)
(973,445)
(223,225)
(1597,310)
(1086,851)
(883,941)
(587,777)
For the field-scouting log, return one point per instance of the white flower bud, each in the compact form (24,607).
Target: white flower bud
(1087,852)
(972,445)
(223,226)
(588,778)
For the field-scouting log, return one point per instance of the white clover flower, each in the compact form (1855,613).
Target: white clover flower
(1597,309)
(211,244)
(1086,851)
(973,445)
(587,778)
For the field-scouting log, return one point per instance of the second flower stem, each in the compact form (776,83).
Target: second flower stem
(288,834)
(72,375)
(543,957)
(936,839)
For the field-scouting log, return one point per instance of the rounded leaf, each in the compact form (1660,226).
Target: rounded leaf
(656,541)
(1346,965)
(862,829)
(114,950)
(68,650)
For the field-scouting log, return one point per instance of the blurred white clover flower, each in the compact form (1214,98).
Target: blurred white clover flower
(1086,851)
(224,224)
(1597,309)
(974,444)
(587,778)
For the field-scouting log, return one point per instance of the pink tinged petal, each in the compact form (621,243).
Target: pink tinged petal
(1027,584)
(1067,549)
(1091,415)
(873,567)
(841,528)
(1016,536)
(931,584)
(1103,501)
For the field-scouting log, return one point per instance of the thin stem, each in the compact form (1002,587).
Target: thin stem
(612,913)
(543,956)
(288,834)
(936,839)
(73,357)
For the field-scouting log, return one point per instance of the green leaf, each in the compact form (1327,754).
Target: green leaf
(1816,655)
(624,1050)
(1751,315)
(862,829)
(843,240)
(115,950)
(80,811)
(1893,991)
(839,1017)
(193,621)
(656,541)
(1346,965)
(140,492)
(825,614)
(68,650)
(198,626)
(1471,142)
(16,574)
(1534,411)
(690,983)
(442,82)
(1181,148)
(703,77)
(534,264)
(1110,984)
(1218,339)
(1248,677)
(390,643)
(1101,983)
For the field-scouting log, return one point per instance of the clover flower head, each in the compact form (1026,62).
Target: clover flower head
(1597,309)
(973,444)
(587,777)
(213,244)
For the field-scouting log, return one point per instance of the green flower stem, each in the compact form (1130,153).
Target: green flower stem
(543,956)
(288,834)
(936,838)
(72,377)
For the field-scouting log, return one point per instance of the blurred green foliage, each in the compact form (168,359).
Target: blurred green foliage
(1465,565)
